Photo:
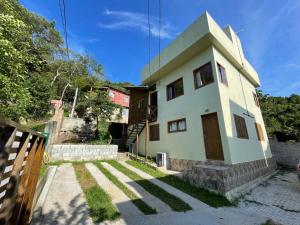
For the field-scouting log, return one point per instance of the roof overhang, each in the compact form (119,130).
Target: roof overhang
(203,33)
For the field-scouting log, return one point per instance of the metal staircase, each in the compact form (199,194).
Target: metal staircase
(134,130)
(139,123)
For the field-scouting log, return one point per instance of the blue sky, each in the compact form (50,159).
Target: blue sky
(114,32)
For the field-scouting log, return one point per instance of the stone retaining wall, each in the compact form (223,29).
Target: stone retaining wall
(285,153)
(82,152)
(225,178)
(180,164)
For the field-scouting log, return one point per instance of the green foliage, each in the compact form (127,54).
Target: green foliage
(34,67)
(39,89)
(99,202)
(96,105)
(281,115)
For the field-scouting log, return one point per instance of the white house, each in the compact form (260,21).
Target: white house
(201,109)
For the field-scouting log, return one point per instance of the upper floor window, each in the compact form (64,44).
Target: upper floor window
(175,89)
(259,131)
(177,126)
(126,99)
(141,103)
(255,97)
(241,128)
(203,75)
(111,94)
(222,74)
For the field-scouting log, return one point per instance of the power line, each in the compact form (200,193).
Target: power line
(62,8)
(149,39)
(159,28)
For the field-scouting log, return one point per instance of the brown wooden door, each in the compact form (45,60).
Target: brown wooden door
(212,137)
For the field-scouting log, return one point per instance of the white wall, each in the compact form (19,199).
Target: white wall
(232,99)
(191,105)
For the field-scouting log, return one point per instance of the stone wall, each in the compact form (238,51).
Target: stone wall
(225,178)
(180,164)
(82,152)
(285,153)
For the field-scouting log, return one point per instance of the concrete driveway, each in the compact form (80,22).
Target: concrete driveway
(277,198)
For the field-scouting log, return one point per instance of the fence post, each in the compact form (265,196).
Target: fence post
(32,182)
(24,180)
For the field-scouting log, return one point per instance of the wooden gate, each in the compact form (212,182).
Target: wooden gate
(21,154)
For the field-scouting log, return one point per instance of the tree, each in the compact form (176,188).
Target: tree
(281,115)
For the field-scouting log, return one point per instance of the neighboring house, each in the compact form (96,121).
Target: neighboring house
(120,98)
(119,119)
(202,110)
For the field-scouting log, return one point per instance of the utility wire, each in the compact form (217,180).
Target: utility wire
(62,8)
(159,28)
(149,39)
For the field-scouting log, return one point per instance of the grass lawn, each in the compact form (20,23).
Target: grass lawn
(99,202)
(44,167)
(139,203)
(174,202)
(204,195)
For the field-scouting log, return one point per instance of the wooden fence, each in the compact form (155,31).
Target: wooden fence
(21,154)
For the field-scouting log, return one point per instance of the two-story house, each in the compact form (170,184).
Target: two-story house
(200,107)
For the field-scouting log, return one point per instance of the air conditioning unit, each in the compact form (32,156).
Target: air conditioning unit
(161,159)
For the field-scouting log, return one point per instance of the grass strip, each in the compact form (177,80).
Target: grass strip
(202,194)
(174,202)
(99,202)
(139,203)
(45,166)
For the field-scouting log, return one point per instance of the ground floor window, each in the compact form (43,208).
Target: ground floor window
(177,126)
(154,132)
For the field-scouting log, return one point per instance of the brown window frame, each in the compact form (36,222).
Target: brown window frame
(259,132)
(241,127)
(255,97)
(177,123)
(224,79)
(156,136)
(171,84)
(195,75)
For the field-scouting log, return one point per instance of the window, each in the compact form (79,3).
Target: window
(154,132)
(111,94)
(255,97)
(141,103)
(259,131)
(203,76)
(126,99)
(241,128)
(175,89)
(177,126)
(222,74)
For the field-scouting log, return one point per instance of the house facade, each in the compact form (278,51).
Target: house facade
(120,98)
(200,107)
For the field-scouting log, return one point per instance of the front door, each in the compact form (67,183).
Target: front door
(212,137)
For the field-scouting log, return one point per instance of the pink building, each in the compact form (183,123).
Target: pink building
(120,98)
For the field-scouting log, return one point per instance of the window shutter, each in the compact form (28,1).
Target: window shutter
(259,131)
